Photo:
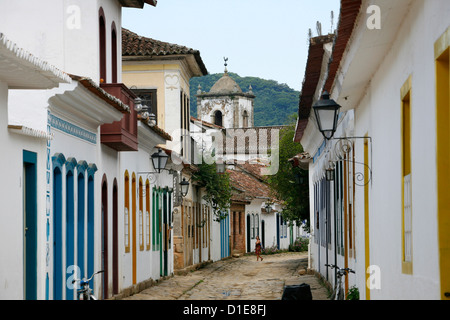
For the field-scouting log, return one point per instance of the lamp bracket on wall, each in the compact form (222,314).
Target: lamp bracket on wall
(152,175)
(343,148)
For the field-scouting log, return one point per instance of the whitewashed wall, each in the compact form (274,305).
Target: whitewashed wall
(63,33)
(379,114)
(11,197)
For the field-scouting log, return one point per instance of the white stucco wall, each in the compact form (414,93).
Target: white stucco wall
(378,114)
(411,54)
(69,37)
(11,193)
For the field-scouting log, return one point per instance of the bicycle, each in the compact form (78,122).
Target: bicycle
(338,292)
(85,293)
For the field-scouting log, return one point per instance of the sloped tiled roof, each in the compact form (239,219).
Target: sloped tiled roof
(137,3)
(102,94)
(22,70)
(310,81)
(348,14)
(205,123)
(247,185)
(136,45)
(163,134)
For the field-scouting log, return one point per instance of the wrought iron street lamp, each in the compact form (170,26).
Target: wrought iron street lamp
(184,186)
(159,160)
(327,113)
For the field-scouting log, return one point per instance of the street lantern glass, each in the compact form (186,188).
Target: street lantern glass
(327,113)
(330,174)
(184,185)
(159,160)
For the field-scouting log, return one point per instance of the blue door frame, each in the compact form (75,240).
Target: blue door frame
(225,237)
(70,219)
(80,224)
(30,224)
(57,232)
(90,226)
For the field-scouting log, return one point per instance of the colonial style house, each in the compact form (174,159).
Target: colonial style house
(90,213)
(159,73)
(254,211)
(385,213)
(23,168)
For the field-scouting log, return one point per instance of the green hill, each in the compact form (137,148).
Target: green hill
(274,102)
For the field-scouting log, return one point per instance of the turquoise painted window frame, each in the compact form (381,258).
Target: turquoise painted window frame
(58,161)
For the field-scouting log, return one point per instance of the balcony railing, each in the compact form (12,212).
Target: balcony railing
(121,135)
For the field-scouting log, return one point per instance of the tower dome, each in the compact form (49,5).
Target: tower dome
(225,85)
(226,105)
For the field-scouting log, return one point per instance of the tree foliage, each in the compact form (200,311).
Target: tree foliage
(217,186)
(291,184)
(274,102)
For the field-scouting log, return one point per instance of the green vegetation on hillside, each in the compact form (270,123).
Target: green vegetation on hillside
(274,102)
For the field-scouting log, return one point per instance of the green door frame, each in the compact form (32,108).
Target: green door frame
(30,224)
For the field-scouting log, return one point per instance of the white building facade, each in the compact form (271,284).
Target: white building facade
(386,211)
(80,198)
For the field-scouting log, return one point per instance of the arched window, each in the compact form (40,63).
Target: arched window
(147,214)
(257,225)
(113,53)
(81,192)
(245,119)
(133,226)
(70,219)
(127,212)
(102,43)
(252,226)
(92,168)
(104,237)
(58,161)
(115,236)
(141,215)
(218,118)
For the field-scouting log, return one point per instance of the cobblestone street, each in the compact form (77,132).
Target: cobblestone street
(241,278)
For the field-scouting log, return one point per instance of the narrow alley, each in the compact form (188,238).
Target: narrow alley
(241,278)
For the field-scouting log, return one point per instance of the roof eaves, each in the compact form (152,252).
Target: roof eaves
(347,21)
(134,45)
(32,62)
(102,94)
(163,134)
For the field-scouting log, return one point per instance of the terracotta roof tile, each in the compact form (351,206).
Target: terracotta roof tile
(348,15)
(248,183)
(136,45)
(137,3)
(102,94)
(206,123)
(349,12)
(163,134)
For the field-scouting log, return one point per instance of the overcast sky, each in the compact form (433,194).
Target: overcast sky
(261,38)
